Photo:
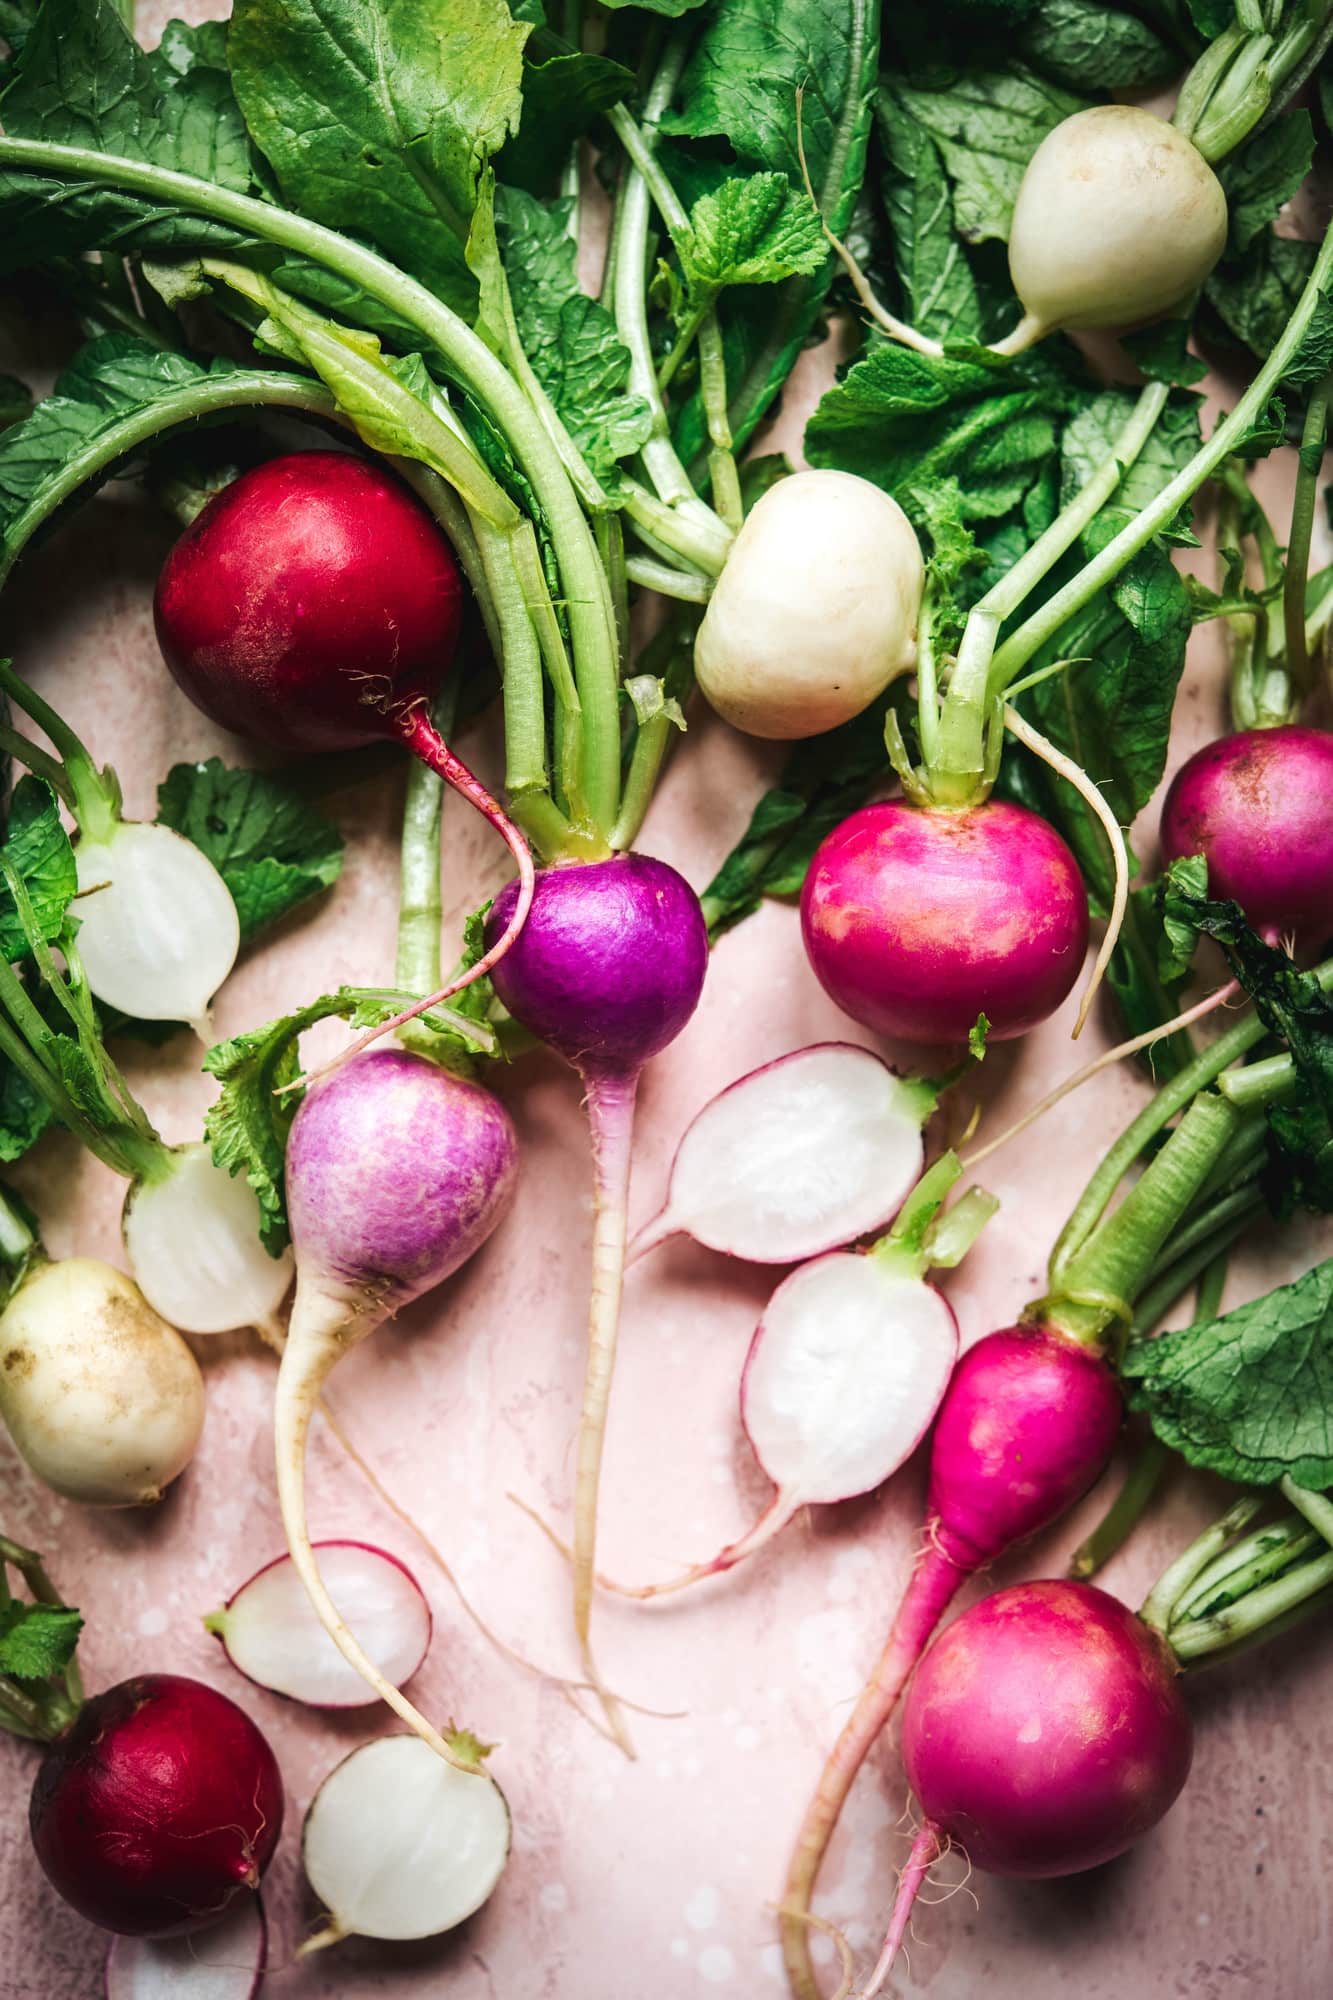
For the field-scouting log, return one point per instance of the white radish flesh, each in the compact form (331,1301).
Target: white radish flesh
(798,1157)
(102,1398)
(399,1844)
(158,930)
(193,1240)
(816,611)
(224,1963)
(272,1634)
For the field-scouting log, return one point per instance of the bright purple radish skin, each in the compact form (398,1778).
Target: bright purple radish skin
(158,1806)
(1259,807)
(397,1172)
(610,969)
(225,1962)
(271,1633)
(1026,1425)
(915,921)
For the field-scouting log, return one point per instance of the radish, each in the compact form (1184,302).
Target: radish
(399,1845)
(1259,807)
(1118,219)
(313,605)
(158,930)
(607,971)
(802,1155)
(397,1172)
(225,1962)
(270,1633)
(103,1400)
(916,921)
(156,1807)
(816,610)
(191,1232)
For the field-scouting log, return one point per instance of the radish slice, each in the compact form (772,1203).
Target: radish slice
(272,1634)
(224,1963)
(399,1844)
(797,1158)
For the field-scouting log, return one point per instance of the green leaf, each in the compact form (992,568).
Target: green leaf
(752,231)
(270,846)
(1185,881)
(1265,173)
(1256,294)
(38,849)
(24,1116)
(939,293)
(1089,440)
(954,565)
(1086,45)
(672,8)
(15,401)
(987,125)
(562,99)
(1162,352)
(1249,1395)
(37,1641)
(377,116)
(45,216)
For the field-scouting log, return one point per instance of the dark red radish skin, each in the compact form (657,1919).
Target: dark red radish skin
(611,966)
(1259,807)
(917,920)
(1027,1424)
(159,1804)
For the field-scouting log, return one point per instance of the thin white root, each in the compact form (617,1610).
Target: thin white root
(1026,334)
(822,1924)
(775,1517)
(1033,740)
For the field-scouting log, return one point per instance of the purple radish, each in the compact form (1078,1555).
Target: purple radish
(271,1634)
(848,1365)
(398,1844)
(607,969)
(800,1156)
(1259,807)
(397,1171)
(225,1962)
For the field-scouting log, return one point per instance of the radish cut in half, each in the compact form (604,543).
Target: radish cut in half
(272,1634)
(398,1844)
(224,1963)
(799,1157)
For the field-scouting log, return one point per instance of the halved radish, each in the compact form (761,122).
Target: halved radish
(272,1635)
(224,1963)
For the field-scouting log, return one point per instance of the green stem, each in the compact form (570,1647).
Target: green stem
(685,586)
(1125,1511)
(1257,1558)
(1203,79)
(1166,1593)
(1302,528)
(1316,1508)
(705,543)
(713,388)
(94,795)
(1259,1082)
(1255,1615)
(420,905)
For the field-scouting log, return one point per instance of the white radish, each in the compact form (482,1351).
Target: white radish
(191,1232)
(816,611)
(102,1398)
(158,930)
(398,1844)
(272,1634)
(224,1963)
(803,1155)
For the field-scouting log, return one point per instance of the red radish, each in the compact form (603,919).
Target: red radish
(398,1844)
(158,1805)
(225,1962)
(270,1632)
(918,920)
(313,605)
(803,1155)
(610,969)
(1259,807)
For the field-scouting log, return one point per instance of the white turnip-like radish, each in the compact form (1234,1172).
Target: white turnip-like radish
(1119,217)
(803,1155)
(191,1232)
(225,1962)
(270,1632)
(816,610)
(399,1844)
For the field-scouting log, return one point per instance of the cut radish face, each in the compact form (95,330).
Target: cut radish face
(798,1157)
(224,1963)
(193,1241)
(272,1633)
(399,1844)
(158,930)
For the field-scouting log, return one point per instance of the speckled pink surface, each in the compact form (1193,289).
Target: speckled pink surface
(643,1881)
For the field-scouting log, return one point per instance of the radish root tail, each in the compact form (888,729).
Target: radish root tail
(927,1849)
(771,1522)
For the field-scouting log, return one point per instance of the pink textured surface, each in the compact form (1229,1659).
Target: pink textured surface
(644,1881)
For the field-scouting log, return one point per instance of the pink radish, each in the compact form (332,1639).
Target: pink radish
(225,1962)
(313,605)
(803,1155)
(917,920)
(271,1634)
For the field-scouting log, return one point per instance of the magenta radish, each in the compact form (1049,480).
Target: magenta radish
(157,1807)
(271,1634)
(917,920)
(313,605)
(399,1844)
(803,1155)
(397,1171)
(1259,807)
(225,1962)
(611,968)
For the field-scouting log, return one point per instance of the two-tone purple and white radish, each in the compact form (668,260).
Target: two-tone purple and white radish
(225,1962)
